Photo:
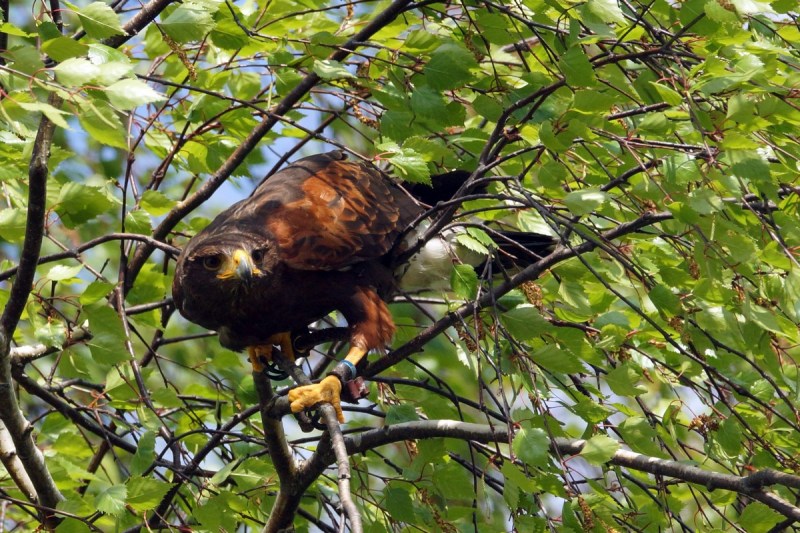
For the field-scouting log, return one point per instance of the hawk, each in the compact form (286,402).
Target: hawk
(316,237)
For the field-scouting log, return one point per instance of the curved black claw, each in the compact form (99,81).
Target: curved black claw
(274,372)
(315,417)
(304,421)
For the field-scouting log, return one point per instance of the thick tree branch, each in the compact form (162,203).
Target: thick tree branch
(752,485)
(331,441)
(274,435)
(138,22)
(19,429)
(14,467)
(425,429)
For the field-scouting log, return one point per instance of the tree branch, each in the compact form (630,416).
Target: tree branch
(19,429)
(752,485)
(14,467)
(138,22)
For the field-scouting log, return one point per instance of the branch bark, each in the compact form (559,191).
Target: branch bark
(752,485)
(19,429)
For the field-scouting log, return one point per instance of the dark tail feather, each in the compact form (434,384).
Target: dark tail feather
(522,248)
(442,188)
(516,248)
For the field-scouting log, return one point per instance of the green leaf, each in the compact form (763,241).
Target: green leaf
(524,322)
(557,360)
(99,20)
(421,40)
(78,203)
(12,224)
(464,281)
(577,68)
(606,10)
(107,344)
(55,115)
(532,446)
(103,125)
(404,412)
(156,203)
(590,411)
(624,380)
(758,518)
(751,7)
(222,474)
(51,333)
(145,454)
(10,29)
(138,222)
(329,69)
(76,71)
(450,67)
(111,499)
(599,449)
(63,48)
(584,201)
(191,21)
(452,479)
(128,94)
(669,95)
(426,101)
(472,244)
(665,300)
(144,494)
(227,34)
(555,142)
(63,272)
(96,291)
(399,504)
(410,166)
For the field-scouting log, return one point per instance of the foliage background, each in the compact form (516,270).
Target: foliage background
(656,140)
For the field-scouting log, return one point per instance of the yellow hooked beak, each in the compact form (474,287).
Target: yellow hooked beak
(240,265)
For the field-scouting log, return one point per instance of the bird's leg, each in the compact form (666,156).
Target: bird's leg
(326,391)
(262,353)
(258,355)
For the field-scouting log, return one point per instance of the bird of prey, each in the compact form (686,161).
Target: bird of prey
(314,238)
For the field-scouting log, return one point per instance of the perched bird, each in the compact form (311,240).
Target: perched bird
(316,237)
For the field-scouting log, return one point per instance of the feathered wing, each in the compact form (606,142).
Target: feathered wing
(326,213)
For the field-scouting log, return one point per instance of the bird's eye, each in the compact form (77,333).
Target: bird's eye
(212,262)
(257,255)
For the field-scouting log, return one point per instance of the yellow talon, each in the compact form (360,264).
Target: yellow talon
(257,354)
(329,390)
(263,352)
(326,391)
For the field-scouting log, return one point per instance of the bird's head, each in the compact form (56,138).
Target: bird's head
(234,266)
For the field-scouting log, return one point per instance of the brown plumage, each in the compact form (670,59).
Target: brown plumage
(310,240)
